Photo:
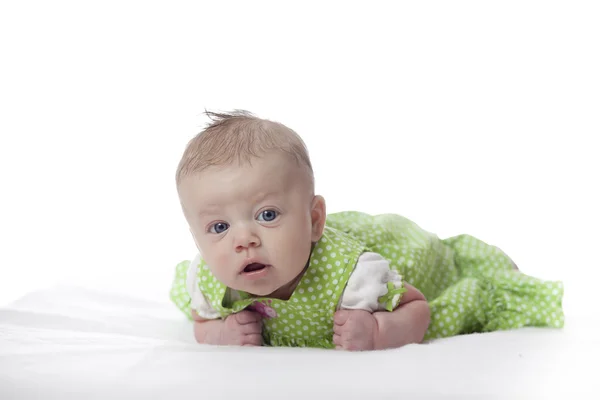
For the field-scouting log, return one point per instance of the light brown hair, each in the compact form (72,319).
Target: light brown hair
(239,136)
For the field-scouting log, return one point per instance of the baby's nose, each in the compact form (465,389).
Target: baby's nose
(245,238)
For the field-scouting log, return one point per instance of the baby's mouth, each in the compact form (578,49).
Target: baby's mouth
(254,267)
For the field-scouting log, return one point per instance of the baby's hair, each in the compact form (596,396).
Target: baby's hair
(239,136)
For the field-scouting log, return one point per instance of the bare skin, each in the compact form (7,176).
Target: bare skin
(265,212)
(359,330)
(240,329)
(354,330)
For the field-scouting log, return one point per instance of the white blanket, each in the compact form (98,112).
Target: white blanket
(74,343)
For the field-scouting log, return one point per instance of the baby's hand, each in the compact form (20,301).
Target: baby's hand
(242,329)
(354,330)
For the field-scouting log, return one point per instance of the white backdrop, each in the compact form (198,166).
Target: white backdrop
(467,117)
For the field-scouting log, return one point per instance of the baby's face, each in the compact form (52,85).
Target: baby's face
(253,223)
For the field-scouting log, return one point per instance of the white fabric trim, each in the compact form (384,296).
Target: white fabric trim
(199,302)
(368,283)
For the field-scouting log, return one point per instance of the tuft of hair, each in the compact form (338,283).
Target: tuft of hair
(239,136)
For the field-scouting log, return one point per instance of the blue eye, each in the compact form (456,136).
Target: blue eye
(219,227)
(268,215)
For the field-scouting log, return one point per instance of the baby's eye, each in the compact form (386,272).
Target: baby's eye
(219,227)
(268,215)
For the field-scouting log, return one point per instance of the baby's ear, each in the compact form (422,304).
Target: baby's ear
(318,215)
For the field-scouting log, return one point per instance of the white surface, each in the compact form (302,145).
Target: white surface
(74,343)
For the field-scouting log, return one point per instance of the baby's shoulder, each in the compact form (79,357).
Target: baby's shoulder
(371,280)
(371,266)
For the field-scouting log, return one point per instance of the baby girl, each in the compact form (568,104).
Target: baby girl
(275,269)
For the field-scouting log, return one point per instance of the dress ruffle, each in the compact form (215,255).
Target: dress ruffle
(494,301)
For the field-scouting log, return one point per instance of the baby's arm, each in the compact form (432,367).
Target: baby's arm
(406,324)
(240,329)
(362,330)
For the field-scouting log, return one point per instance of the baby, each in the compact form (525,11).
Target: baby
(275,269)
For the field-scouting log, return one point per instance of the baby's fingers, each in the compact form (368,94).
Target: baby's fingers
(252,340)
(338,329)
(252,328)
(340,317)
(247,317)
(337,341)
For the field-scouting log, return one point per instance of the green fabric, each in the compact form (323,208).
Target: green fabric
(470,285)
(306,319)
(388,298)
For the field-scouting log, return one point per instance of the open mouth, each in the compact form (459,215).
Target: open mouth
(254,267)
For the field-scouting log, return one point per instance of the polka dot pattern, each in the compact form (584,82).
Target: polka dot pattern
(179,294)
(470,285)
(306,318)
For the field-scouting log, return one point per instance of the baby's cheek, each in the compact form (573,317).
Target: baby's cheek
(221,267)
(298,249)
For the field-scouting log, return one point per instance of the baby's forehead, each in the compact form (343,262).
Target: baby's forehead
(271,165)
(213,191)
(262,175)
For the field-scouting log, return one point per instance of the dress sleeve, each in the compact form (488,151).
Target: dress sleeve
(186,294)
(373,286)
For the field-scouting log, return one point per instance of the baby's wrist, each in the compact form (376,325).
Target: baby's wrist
(389,332)
(380,332)
(217,331)
(209,331)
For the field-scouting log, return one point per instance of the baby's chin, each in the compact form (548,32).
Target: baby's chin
(255,290)
(264,293)
(265,287)
(271,291)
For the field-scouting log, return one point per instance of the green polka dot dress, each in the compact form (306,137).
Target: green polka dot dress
(471,286)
